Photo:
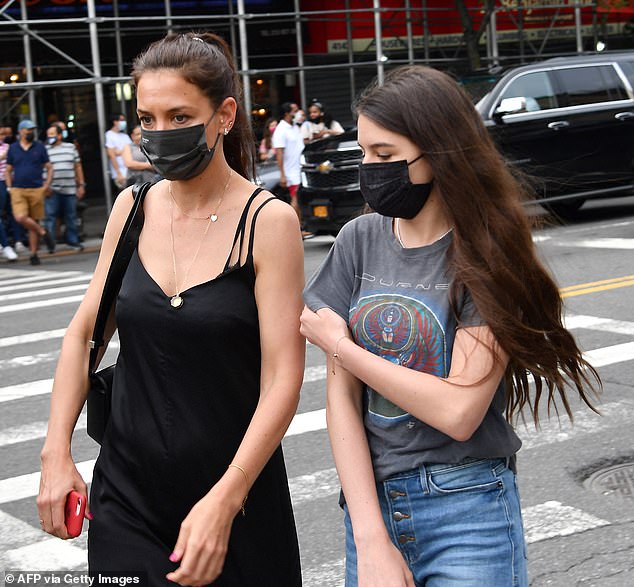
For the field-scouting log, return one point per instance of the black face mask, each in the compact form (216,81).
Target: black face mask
(387,189)
(181,153)
(29,136)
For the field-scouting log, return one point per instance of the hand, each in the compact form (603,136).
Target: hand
(120,181)
(382,565)
(59,477)
(203,541)
(81,192)
(323,328)
(48,192)
(283,181)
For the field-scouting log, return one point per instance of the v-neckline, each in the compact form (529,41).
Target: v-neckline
(231,269)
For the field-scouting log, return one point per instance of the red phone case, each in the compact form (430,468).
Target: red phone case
(74,513)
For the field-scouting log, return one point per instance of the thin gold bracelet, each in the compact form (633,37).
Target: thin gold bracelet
(246,480)
(335,355)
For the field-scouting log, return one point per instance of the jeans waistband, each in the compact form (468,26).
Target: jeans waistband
(468,462)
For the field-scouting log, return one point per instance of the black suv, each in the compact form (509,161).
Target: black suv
(568,123)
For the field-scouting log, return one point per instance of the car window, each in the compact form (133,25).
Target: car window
(590,85)
(536,90)
(628,70)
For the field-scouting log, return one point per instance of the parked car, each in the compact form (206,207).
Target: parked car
(567,123)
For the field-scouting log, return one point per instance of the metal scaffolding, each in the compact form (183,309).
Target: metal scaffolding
(428,50)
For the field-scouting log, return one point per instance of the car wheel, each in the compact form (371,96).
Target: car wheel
(565,210)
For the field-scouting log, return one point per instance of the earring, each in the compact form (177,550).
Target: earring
(226,131)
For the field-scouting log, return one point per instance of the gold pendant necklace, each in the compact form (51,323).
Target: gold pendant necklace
(176,301)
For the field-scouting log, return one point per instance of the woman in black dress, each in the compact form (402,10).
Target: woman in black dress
(211,359)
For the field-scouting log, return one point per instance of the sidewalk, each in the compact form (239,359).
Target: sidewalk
(95,219)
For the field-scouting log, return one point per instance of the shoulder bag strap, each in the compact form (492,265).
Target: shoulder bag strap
(120,260)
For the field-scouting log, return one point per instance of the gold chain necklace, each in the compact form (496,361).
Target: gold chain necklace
(213,215)
(176,301)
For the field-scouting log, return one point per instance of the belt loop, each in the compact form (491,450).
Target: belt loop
(424,482)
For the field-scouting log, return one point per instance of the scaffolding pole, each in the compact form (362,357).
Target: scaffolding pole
(300,55)
(578,28)
(99,102)
(379,41)
(244,60)
(119,51)
(28,62)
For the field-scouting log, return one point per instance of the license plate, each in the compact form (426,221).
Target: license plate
(320,211)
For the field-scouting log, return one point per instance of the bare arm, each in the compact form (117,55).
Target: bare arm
(80,180)
(49,175)
(279,156)
(70,386)
(278,258)
(378,561)
(132,163)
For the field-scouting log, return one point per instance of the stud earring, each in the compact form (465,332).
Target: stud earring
(226,131)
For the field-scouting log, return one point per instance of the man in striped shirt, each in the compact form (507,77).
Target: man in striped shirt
(67,187)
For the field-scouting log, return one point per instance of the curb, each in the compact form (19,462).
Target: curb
(93,247)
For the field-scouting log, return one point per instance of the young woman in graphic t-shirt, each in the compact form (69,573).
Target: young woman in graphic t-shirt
(434,313)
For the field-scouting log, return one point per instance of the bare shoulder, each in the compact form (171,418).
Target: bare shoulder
(276,219)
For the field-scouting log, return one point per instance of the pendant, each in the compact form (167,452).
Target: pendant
(176,301)
(213,217)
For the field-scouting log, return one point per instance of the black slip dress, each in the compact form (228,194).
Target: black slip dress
(186,386)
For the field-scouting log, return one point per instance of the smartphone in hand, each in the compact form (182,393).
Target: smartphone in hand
(74,513)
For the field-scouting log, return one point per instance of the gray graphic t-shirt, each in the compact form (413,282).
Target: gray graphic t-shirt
(396,303)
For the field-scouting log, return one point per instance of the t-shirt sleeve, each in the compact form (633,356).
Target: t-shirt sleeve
(331,286)
(76,157)
(279,137)
(10,160)
(468,314)
(336,127)
(44,154)
(110,142)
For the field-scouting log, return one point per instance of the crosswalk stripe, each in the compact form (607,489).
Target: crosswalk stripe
(597,323)
(551,519)
(598,357)
(22,295)
(40,304)
(48,283)
(22,277)
(32,337)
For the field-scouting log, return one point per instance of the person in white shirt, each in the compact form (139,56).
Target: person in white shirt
(319,124)
(288,145)
(116,140)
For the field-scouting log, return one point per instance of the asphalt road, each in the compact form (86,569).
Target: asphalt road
(577,483)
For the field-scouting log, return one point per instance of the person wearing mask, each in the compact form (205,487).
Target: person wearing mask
(67,187)
(319,124)
(435,312)
(288,145)
(26,161)
(139,168)
(190,486)
(7,250)
(116,140)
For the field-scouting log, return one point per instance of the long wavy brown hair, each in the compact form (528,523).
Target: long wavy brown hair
(210,66)
(492,254)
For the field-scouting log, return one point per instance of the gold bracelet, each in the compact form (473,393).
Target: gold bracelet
(246,479)
(335,355)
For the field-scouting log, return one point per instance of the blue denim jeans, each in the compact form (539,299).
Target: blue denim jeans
(455,525)
(62,206)
(5,209)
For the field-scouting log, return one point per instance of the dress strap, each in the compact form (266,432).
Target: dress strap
(252,234)
(240,229)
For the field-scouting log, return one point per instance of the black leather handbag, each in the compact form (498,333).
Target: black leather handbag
(100,390)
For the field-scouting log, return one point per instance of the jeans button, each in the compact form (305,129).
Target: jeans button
(402,539)
(393,493)
(398,516)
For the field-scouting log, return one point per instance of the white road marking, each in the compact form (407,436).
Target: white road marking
(610,355)
(32,337)
(24,295)
(40,304)
(22,277)
(33,431)
(552,519)
(307,422)
(22,390)
(597,323)
(598,243)
(81,277)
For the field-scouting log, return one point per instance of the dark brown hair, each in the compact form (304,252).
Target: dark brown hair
(204,59)
(492,254)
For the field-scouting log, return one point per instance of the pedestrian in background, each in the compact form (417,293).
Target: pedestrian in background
(116,140)
(266,150)
(139,168)
(288,145)
(211,359)
(7,250)
(68,186)
(26,160)
(434,313)
(319,124)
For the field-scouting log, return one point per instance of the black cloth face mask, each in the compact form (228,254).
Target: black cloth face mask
(387,189)
(181,153)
